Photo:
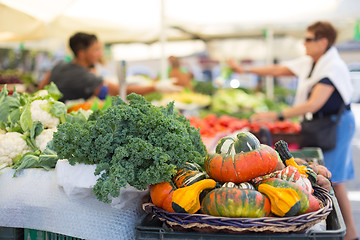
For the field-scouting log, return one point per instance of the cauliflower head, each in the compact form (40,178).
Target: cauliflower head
(38,114)
(41,93)
(45,136)
(12,145)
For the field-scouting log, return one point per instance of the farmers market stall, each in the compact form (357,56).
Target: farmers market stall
(101,163)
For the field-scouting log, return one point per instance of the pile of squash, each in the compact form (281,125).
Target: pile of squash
(240,181)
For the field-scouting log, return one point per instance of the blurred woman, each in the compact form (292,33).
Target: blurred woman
(324,86)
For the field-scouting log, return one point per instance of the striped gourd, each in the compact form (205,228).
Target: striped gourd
(235,202)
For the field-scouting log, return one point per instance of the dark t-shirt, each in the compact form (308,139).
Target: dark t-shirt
(74,81)
(334,102)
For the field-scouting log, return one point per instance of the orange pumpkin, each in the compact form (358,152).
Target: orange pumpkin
(161,195)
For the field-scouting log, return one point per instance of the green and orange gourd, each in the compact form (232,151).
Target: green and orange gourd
(235,202)
(240,159)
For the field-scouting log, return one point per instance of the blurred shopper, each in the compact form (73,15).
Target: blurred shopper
(182,76)
(324,87)
(75,79)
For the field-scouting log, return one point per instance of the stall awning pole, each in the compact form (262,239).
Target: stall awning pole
(269,39)
(163,60)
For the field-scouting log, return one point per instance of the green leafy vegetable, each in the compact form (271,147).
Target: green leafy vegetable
(25,119)
(53,91)
(80,116)
(136,143)
(10,110)
(46,159)
(32,133)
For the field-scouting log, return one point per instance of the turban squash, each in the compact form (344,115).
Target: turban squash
(240,159)
(236,202)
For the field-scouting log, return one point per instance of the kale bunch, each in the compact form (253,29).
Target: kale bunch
(136,143)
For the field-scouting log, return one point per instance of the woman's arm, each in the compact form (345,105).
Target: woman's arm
(270,70)
(140,89)
(319,96)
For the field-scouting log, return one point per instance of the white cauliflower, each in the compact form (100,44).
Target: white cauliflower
(45,136)
(38,114)
(11,146)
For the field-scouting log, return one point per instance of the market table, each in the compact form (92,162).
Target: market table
(34,200)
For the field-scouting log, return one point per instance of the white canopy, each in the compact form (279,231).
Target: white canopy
(139,20)
(223,27)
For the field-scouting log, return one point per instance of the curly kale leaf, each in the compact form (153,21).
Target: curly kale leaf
(136,143)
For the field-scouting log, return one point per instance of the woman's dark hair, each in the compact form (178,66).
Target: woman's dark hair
(323,30)
(80,41)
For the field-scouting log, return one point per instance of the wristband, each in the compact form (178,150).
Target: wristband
(280,116)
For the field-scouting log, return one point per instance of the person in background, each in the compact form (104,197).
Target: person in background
(183,78)
(75,79)
(324,85)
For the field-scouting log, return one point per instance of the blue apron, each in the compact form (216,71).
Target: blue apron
(340,160)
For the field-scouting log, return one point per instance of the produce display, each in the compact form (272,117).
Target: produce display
(243,180)
(153,147)
(241,103)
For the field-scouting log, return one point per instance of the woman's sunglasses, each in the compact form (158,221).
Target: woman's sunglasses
(311,39)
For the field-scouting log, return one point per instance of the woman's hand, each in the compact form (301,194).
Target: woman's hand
(264,117)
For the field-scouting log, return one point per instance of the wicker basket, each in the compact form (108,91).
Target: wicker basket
(207,223)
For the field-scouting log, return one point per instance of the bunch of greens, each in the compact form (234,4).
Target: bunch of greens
(136,143)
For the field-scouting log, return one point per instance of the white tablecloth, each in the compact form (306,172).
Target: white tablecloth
(34,200)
